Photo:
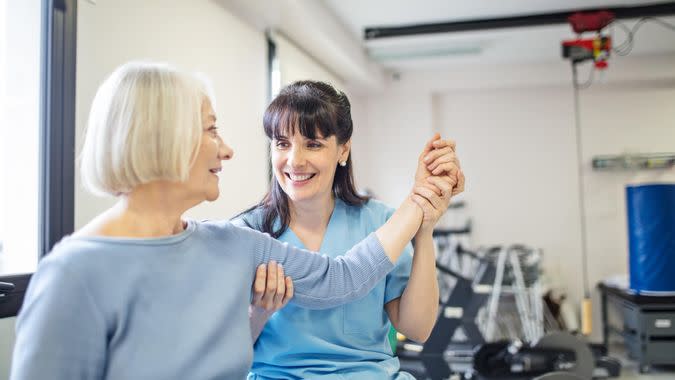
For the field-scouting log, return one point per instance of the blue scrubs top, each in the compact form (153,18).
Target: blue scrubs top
(346,342)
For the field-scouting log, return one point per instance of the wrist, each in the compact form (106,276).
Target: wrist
(258,312)
(413,207)
(425,234)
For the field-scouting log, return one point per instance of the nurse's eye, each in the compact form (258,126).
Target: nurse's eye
(213,130)
(281,144)
(313,144)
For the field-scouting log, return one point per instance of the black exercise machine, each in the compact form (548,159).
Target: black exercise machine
(556,356)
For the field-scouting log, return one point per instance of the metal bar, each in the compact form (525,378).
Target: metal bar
(521,296)
(496,292)
(540,19)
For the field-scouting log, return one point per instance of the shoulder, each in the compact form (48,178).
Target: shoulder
(235,231)
(251,218)
(72,251)
(222,230)
(70,261)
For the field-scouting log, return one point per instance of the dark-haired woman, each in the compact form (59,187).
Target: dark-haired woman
(313,204)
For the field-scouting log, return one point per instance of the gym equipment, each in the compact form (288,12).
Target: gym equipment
(647,325)
(555,356)
(556,352)
(558,355)
(517,274)
(6,287)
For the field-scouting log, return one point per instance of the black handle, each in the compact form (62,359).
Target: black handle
(6,287)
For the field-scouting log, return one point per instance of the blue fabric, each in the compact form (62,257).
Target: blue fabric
(346,342)
(167,308)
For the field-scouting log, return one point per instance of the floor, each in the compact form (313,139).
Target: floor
(630,371)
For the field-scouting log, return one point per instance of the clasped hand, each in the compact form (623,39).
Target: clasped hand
(439,177)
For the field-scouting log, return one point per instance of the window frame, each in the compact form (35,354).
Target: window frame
(57,139)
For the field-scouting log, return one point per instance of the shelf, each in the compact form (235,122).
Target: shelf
(634,161)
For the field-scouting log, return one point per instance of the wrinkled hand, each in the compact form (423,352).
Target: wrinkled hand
(271,289)
(439,177)
(433,197)
(439,158)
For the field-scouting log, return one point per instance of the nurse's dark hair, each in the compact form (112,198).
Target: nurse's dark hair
(313,109)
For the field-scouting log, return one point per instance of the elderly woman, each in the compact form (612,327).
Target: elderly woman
(142,293)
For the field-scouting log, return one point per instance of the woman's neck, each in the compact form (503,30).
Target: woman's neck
(309,220)
(315,212)
(150,210)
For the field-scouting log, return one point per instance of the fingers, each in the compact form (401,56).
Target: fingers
(429,145)
(433,156)
(443,143)
(442,156)
(428,193)
(281,288)
(445,184)
(460,184)
(289,291)
(259,284)
(271,286)
(449,167)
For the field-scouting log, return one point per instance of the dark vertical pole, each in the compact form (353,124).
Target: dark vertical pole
(57,122)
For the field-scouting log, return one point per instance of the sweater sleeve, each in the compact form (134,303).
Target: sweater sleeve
(60,333)
(321,282)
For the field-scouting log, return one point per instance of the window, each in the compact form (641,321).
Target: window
(37,83)
(20,53)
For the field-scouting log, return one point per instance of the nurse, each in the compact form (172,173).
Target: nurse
(313,204)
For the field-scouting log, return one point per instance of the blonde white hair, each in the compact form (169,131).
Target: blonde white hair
(145,124)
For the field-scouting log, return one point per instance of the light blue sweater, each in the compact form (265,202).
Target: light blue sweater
(168,308)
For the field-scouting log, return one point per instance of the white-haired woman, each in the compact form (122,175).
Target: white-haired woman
(142,293)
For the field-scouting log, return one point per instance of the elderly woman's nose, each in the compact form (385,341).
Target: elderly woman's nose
(225,152)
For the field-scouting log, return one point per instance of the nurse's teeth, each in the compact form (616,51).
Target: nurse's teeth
(300,177)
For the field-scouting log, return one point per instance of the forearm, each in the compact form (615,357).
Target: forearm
(400,229)
(322,282)
(257,318)
(418,306)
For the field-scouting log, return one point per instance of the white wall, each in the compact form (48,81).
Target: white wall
(515,134)
(390,131)
(517,150)
(296,64)
(196,35)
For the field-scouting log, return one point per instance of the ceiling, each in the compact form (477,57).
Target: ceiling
(518,45)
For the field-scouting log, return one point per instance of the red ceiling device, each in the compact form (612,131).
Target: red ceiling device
(596,48)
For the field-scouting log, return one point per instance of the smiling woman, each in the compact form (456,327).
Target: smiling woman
(313,204)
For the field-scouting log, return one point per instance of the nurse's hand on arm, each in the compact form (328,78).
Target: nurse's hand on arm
(414,313)
(271,291)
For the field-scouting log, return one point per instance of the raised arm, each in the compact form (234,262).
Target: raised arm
(321,282)
(414,313)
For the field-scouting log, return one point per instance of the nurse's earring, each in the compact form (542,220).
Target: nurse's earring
(342,163)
